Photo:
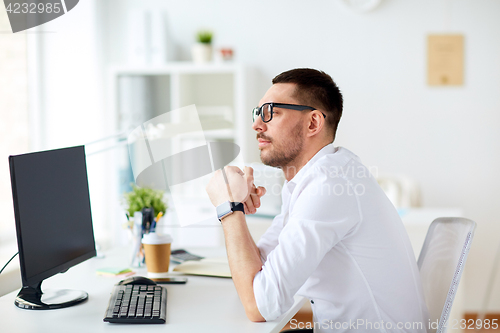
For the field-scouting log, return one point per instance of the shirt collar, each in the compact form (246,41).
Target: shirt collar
(328,149)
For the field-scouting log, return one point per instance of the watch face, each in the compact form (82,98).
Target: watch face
(223,209)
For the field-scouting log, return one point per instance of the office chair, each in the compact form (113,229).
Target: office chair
(441,263)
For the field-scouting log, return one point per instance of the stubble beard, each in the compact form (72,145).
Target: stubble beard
(284,151)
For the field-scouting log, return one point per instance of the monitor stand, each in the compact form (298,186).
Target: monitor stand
(34,299)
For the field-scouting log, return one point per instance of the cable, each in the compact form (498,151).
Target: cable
(8,262)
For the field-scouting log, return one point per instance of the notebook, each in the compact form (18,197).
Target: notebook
(218,267)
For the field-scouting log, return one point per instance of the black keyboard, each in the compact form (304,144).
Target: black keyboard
(137,304)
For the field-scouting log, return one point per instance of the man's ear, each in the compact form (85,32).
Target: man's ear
(316,123)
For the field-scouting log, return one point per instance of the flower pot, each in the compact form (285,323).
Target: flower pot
(202,52)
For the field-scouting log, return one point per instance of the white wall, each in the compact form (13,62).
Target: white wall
(69,99)
(446,138)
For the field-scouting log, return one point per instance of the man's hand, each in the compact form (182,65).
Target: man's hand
(253,201)
(232,184)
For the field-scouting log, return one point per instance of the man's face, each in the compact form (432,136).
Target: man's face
(280,140)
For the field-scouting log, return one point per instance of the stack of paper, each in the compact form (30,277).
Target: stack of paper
(210,267)
(118,272)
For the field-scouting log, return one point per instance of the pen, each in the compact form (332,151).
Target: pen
(155,221)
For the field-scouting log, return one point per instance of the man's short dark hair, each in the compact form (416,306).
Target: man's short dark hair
(317,89)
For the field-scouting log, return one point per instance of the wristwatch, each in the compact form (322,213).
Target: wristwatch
(227,208)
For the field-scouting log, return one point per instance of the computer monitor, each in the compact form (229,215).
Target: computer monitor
(53,222)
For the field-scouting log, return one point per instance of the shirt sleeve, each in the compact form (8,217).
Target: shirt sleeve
(269,240)
(317,222)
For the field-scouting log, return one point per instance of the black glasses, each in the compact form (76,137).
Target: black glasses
(266,110)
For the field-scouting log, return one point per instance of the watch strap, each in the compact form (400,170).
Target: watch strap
(237,206)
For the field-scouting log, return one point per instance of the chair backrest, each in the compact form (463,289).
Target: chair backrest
(441,263)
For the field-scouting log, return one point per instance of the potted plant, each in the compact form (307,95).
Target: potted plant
(143,197)
(202,50)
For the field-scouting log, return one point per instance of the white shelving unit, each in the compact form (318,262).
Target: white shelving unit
(218,90)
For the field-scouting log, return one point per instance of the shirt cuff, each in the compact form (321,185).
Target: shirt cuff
(265,296)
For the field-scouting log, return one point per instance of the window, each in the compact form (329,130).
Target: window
(14,127)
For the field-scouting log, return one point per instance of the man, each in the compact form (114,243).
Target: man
(338,240)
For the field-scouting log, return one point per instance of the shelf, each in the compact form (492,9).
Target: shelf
(185,67)
(221,134)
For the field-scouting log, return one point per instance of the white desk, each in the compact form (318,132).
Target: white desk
(204,304)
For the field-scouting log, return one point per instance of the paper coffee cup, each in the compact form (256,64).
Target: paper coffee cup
(157,250)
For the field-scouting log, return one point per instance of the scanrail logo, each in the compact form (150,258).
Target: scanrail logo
(170,152)
(25,14)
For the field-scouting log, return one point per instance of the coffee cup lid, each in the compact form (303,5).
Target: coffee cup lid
(154,238)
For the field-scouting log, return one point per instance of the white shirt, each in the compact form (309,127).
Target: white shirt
(340,242)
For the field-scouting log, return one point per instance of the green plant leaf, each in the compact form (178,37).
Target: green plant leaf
(204,36)
(141,197)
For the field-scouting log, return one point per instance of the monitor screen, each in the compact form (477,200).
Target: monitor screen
(52,209)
